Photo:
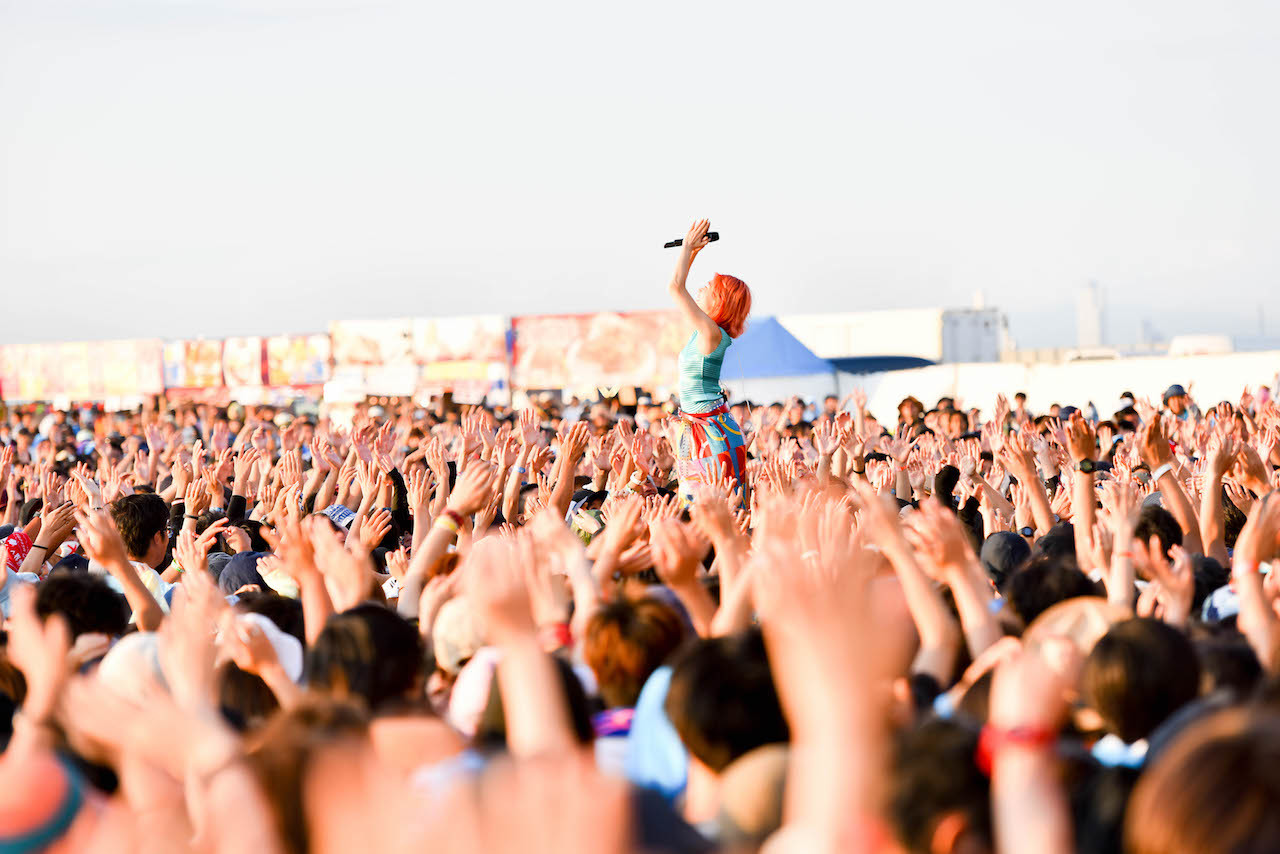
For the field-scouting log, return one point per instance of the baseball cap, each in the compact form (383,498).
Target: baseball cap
(1174,390)
(456,635)
(340,515)
(1002,553)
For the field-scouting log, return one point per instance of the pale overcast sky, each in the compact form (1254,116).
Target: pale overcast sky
(218,167)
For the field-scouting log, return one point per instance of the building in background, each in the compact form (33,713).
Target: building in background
(1089,317)
(928,335)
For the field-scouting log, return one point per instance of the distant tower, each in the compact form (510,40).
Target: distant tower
(1089,317)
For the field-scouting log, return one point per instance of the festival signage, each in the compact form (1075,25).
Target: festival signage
(372,342)
(297,360)
(193,364)
(583,351)
(242,362)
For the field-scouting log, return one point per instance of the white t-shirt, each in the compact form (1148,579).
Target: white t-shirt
(150,579)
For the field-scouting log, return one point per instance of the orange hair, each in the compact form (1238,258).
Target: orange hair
(729,303)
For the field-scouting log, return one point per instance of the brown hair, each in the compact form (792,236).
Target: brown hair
(281,752)
(1213,792)
(628,640)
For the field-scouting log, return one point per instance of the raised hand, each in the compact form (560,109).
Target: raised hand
(1222,454)
(677,551)
(495,583)
(825,438)
(1080,439)
(348,572)
(1177,583)
(193,551)
(195,499)
(473,489)
(101,540)
(1153,444)
(695,240)
(39,649)
(375,528)
(418,485)
(530,433)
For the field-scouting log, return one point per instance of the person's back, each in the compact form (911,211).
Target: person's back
(700,375)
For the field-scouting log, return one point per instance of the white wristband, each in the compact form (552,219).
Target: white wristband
(1161,472)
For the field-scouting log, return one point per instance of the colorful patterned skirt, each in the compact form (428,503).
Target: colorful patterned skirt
(710,446)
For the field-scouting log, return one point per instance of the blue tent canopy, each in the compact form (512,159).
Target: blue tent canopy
(767,349)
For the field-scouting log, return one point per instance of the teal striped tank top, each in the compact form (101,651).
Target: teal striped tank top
(700,375)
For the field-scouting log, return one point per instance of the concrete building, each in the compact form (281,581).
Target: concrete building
(1089,322)
(933,334)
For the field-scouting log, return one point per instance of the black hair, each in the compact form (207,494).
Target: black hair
(139,518)
(934,775)
(722,700)
(84,601)
(1228,662)
(253,527)
(491,733)
(1044,581)
(369,653)
(28,511)
(1155,521)
(1138,674)
(286,613)
(244,698)
(1209,576)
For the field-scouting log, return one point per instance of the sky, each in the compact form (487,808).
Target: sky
(174,168)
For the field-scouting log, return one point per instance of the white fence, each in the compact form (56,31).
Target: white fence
(1209,379)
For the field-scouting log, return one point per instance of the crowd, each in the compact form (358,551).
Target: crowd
(486,629)
(714,626)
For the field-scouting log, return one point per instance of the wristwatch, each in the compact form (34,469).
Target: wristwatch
(1087,466)
(1028,532)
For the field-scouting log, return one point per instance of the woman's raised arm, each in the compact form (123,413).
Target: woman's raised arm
(694,242)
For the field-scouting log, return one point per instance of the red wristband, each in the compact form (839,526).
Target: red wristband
(994,739)
(555,636)
(454,515)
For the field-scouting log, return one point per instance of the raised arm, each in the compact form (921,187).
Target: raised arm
(694,242)
(1222,452)
(1153,445)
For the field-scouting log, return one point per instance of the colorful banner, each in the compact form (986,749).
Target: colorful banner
(372,342)
(131,368)
(297,360)
(242,361)
(581,351)
(460,339)
(83,370)
(192,364)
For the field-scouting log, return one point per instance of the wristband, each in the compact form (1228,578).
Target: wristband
(555,636)
(454,515)
(189,516)
(521,470)
(1161,472)
(1125,555)
(40,547)
(993,740)
(446,522)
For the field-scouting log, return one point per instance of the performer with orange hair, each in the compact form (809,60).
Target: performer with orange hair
(711,444)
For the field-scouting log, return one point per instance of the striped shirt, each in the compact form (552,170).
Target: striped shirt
(700,375)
